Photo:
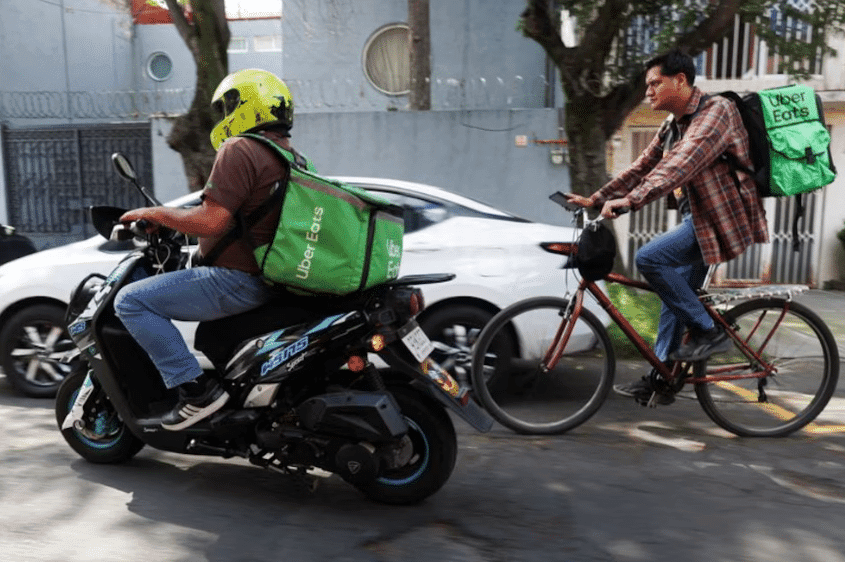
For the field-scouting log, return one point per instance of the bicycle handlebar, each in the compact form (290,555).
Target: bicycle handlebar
(561,200)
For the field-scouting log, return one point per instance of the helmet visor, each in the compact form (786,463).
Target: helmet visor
(230,102)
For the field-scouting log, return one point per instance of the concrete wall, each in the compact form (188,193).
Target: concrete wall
(63,46)
(164,38)
(832,256)
(478,58)
(473,153)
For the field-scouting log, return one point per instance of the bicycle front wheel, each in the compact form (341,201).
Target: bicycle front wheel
(513,383)
(804,358)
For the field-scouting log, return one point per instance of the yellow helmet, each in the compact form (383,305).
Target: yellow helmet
(248,99)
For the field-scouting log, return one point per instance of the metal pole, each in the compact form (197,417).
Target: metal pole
(67,69)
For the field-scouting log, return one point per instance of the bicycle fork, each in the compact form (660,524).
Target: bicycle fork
(569,316)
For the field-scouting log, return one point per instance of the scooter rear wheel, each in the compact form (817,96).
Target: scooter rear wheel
(105,438)
(435,449)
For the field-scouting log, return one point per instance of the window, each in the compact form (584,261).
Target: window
(419,213)
(159,66)
(266,43)
(238,45)
(387,59)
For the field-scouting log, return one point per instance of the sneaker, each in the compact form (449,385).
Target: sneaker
(702,345)
(642,391)
(192,408)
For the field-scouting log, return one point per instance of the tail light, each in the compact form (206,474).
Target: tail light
(378,342)
(356,363)
(417,303)
(561,248)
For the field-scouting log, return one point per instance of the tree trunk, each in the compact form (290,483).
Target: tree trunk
(586,137)
(207,37)
(420,47)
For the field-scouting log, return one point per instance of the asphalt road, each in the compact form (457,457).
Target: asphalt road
(632,484)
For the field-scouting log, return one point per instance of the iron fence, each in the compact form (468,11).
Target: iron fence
(54,174)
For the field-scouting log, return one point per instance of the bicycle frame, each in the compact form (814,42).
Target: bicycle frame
(762,370)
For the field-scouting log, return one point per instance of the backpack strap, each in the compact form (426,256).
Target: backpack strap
(734,164)
(243,225)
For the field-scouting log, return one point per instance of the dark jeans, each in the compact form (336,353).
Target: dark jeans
(673,265)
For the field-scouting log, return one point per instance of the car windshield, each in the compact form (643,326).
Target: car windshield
(426,205)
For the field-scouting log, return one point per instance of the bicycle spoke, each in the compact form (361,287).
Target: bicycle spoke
(802,361)
(518,388)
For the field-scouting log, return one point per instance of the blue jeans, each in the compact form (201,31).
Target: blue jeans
(672,263)
(147,308)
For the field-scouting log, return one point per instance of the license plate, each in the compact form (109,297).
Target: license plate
(416,341)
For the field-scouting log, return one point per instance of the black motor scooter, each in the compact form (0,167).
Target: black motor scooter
(304,392)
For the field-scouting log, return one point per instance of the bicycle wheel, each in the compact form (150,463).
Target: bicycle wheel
(527,398)
(797,344)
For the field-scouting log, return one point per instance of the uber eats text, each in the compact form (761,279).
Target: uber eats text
(785,108)
(311,235)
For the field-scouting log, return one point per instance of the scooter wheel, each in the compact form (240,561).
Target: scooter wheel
(105,438)
(435,449)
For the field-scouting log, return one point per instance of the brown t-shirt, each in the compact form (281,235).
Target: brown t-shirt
(241,179)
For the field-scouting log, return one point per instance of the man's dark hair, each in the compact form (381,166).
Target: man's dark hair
(674,62)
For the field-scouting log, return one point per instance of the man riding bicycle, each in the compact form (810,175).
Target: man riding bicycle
(719,219)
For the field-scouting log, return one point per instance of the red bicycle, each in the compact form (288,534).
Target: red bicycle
(779,375)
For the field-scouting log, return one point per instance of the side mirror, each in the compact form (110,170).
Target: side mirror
(123,167)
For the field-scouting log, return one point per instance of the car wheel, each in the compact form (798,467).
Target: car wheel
(454,330)
(32,344)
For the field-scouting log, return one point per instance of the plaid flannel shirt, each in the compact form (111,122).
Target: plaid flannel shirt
(726,220)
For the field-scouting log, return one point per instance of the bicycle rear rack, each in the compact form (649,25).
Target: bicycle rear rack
(730,295)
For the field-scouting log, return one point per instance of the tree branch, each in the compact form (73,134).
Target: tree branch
(538,24)
(597,41)
(183,26)
(712,28)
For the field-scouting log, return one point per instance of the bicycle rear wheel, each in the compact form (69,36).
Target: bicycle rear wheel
(513,385)
(797,344)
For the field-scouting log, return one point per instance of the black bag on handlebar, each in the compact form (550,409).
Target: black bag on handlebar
(596,252)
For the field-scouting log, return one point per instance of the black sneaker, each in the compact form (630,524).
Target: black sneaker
(702,345)
(642,391)
(192,407)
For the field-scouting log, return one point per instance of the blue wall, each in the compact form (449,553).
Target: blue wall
(478,58)
(483,72)
(61,46)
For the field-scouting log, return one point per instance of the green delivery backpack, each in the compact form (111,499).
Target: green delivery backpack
(331,238)
(789,143)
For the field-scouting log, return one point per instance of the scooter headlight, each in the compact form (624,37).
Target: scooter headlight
(82,295)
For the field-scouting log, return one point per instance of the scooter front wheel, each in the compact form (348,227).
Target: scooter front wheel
(104,438)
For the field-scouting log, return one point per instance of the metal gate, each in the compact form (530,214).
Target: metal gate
(775,262)
(54,174)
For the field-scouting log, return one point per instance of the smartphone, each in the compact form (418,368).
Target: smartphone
(559,198)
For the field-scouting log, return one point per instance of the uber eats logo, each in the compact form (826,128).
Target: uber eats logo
(394,258)
(788,107)
(311,235)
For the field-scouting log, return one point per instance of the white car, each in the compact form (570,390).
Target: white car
(497,259)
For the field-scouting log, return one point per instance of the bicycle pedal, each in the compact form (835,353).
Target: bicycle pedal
(656,398)
(642,401)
